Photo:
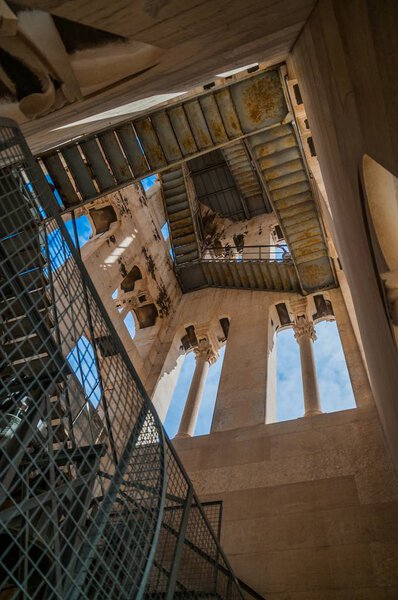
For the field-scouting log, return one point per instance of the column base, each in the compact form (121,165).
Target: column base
(181,436)
(314,411)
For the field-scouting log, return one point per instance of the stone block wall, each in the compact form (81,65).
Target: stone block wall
(310,506)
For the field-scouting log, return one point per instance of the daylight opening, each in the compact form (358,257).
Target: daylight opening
(180,394)
(333,379)
(82,362)
(130,323)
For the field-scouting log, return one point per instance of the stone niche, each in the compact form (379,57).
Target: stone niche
(103,218)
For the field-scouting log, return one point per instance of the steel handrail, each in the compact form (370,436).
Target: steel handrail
(43,198)
(247,252)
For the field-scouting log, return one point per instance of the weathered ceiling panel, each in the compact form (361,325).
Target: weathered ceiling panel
(157,141)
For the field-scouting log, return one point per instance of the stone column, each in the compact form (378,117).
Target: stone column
(305,335)
(205,356)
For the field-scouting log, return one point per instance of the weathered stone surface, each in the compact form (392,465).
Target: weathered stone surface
(316,516)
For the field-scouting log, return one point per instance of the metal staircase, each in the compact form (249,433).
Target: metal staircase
(245,121)
(242,272)
(280,161)
(252,275)
(180,216)
(240,165)
(94,503)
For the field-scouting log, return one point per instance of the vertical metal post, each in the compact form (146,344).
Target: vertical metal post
(179,545)
(94,343)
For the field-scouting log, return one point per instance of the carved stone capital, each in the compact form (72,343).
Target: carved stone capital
(204,350)
(299,306)
(304,328)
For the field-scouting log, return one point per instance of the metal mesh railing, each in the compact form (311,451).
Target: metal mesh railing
(94,503)
(242,253)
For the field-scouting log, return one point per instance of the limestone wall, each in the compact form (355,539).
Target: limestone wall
(345,61)
(134,240)
(310,506)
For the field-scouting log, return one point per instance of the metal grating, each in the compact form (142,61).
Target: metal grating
(94,503)
(266,268)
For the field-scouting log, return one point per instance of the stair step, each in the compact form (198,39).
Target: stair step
(287,180)
(291,190)
(178,207)
(184,249)
(279,158)
(176,198)
(274,146)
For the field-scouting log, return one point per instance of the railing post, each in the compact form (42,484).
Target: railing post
(179,545)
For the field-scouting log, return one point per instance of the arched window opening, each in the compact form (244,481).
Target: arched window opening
(130,324)
(103,218)
(83,229)
(57,248)
(132,276)
(334,381)
(179,397)
(332,374)
(165,231)
(83,364)
(289,391)
(146,315)
(148,182)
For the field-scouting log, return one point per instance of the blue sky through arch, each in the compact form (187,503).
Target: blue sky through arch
(333,378)
(181,391)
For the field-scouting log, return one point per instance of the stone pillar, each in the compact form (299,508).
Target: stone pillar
(305,335)
(352,353)
(241,397)
(205,356)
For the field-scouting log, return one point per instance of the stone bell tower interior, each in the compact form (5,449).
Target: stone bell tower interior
(194,182)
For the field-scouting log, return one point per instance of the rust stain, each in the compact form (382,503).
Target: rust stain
(314,274)
(146,125)
(261,99)
(204,139)
(188,143)
(234,124)
(163,301)
(124,170)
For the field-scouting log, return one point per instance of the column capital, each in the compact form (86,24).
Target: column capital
(304,328)
(205,351)
(299,306)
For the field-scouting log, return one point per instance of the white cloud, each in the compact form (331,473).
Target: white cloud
(334,383)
